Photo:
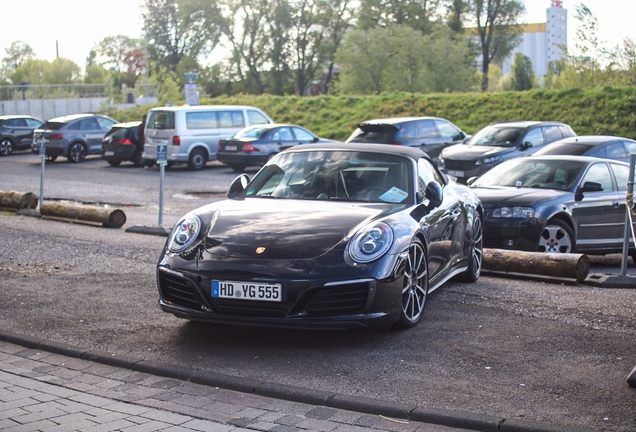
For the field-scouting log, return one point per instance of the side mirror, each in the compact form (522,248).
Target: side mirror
(587,187)
(526,145)
(459,137)
(238,185)
(316,139)
(434,194)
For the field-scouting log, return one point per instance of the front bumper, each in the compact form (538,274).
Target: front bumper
(306,303)
(513,234)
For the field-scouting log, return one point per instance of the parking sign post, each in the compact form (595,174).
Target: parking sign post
(628,215)
(43,158)
(162,160)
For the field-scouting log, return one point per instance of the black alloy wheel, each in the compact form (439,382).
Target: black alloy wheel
(76,152)
(6,146)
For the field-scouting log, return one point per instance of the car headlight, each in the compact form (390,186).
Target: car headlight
(440,161)
(184,233)
(513,212)
(371,242)
(488,160)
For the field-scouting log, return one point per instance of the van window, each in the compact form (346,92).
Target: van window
(160,120)
(201,120)
(256,118)
(231,119)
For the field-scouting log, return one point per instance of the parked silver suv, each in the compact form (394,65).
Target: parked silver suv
(73,136)
(192,133)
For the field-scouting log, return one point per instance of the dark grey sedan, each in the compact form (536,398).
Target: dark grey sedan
(16,132)
(74,136)
(556,204)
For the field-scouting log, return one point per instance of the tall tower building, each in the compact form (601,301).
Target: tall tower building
(543,42)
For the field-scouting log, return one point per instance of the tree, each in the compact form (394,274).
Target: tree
(414,13)
(456,11)
(338,20)
(178,28)
(399,58)
(245,25)
(497,30)
(523,77)
(17,53)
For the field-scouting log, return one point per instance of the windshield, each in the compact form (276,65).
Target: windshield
(335,175)
(256,133)
(544,174)
(496,137)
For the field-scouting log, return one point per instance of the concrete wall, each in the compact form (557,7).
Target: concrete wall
(48,108)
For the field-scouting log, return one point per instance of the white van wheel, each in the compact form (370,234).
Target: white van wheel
(198,159)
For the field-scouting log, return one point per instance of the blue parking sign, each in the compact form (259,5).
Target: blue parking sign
(162,154)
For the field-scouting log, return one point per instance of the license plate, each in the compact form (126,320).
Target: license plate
(109,153)
(455,173)
(231,148)
(247,291)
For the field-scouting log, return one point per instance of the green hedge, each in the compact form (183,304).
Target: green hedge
(606,111)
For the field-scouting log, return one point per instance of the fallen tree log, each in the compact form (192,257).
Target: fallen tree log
(112,218)
(572,266)
(18,200)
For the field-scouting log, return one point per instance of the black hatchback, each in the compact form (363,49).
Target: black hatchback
(430,134)
(498,142)
(122,143)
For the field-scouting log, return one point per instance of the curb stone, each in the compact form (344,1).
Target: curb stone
(450,418)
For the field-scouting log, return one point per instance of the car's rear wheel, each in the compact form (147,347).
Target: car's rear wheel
(557,237)
(6,147)
(237,168)
(197,159)
(113,162)
(476,251)
(76,152)
(415,286)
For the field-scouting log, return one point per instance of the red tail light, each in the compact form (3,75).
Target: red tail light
(54,136)
(248,148)
(176,140)
(125,141)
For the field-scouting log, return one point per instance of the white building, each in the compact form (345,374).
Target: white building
(543,42)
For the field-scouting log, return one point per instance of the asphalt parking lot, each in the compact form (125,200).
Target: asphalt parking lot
(549,352)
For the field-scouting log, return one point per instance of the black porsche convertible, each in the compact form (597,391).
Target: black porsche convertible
(324,236)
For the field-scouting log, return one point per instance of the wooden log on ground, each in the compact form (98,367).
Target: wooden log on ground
(18,200)
(572,266)
(112,218)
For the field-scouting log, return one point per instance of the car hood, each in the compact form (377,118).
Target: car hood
(510,196)
(284,229)
(466,152)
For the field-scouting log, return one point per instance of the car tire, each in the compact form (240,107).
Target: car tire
(415,285)
(557,237)
(6,147)
(113,162)
(476,255)
(197,160)
(76,152)
(237,168)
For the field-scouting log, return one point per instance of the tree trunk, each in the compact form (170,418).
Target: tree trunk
(18,200)
(112,218)
(571,266)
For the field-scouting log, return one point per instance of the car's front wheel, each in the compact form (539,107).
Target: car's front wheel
(557,237)
(6,147)
(476,251)
(415,285)
(76,152)
(237,168)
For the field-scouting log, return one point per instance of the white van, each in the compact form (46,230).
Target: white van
(192,133)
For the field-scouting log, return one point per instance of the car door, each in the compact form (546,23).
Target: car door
(598,215)
(442,223)
(621,175)
(20,131)
(92,134)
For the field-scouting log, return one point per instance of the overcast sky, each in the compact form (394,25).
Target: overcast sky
(78,25)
